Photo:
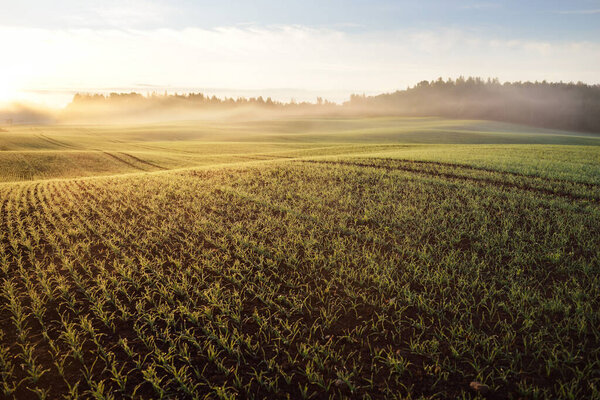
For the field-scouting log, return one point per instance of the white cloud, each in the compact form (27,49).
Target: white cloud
(582,12)
(482,6)
(254,58)
(131,13)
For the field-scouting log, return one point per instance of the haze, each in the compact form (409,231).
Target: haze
(299,199)
(297,50)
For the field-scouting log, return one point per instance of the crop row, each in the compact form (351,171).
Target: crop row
(298,280)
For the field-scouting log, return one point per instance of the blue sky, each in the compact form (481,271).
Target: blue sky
(296,47)
(575,19)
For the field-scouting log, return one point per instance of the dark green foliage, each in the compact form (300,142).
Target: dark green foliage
(552,105)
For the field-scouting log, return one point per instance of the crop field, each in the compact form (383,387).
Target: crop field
(43,152)
(372,258)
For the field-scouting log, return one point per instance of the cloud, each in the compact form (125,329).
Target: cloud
(254,58)
(132,13)
(580,12)
(481,6)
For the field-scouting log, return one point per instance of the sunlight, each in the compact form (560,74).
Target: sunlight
(299,199)
(7,92)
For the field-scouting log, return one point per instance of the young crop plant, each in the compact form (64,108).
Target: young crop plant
(338,276)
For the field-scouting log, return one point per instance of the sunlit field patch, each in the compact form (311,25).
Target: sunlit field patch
(301,270)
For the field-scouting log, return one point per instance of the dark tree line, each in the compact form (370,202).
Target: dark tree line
(571,106)
(189,99)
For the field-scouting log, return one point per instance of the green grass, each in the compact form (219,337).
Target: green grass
(191,264)
(43,152)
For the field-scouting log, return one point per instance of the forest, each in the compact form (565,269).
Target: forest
(568,106)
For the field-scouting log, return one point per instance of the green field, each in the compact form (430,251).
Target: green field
(305,258)
(43,152)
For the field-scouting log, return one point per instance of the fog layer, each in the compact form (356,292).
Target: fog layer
(552,105)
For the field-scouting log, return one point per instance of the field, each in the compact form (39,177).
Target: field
(308,258)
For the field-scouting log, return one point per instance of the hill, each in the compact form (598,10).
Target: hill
(299,259)
(61,151)
(553,105)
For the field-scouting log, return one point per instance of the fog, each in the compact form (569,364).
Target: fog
(570,106)
(23,113)
(552,105)
(136,108)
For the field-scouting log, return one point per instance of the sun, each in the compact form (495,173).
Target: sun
(7,91)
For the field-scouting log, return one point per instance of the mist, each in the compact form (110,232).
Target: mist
(136,108)
(23,113)
(568,106)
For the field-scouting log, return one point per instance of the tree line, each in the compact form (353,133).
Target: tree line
(189,99)
(569,106)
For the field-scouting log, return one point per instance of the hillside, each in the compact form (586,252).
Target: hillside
(553,105)
(153,262)
(61,151)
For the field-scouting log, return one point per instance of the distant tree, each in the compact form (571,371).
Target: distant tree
(574,106)
(553,105)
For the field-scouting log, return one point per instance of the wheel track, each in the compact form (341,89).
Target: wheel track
(483,169)
(143,161)
(449,176)
(125,162)
(56,142)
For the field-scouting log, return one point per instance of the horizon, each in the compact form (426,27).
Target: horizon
(299,199)
(543,104)
(299,51)
(281,95)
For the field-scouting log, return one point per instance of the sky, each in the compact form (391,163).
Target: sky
(287,49)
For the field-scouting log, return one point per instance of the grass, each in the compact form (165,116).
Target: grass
(295,268)
(44,152)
